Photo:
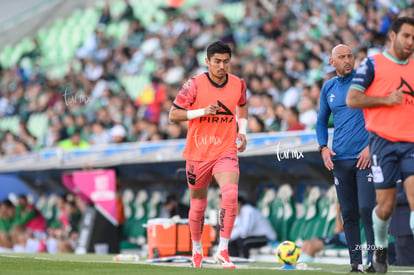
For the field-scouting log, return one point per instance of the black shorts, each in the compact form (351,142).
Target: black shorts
(390,161)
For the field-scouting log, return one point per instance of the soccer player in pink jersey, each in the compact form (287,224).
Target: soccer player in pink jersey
(214,103)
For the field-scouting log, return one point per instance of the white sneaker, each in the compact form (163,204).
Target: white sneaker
(223,259)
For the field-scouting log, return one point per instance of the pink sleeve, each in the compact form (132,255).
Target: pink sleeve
(243,97)
(186,96)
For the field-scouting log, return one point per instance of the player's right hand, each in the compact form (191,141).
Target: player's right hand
(326,154)
(395,97)
(211,109)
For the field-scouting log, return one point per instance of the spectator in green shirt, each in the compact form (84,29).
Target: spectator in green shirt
(29,218)
(7,211)
(74,142)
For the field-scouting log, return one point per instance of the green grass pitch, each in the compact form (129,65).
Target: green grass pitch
(89,264)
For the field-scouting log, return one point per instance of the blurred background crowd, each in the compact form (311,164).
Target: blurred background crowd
(24,228)
(283,55)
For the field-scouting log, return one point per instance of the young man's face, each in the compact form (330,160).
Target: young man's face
(403,41)
(218,64)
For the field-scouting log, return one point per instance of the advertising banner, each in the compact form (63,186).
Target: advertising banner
(97,186)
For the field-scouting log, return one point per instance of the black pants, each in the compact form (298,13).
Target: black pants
(356,195)
(404,248)
(241,247)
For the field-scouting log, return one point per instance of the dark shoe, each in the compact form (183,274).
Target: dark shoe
(379,260)
(370,269)
(354,268)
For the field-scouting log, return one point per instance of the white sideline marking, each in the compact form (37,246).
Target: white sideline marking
(12,256)
(44,259)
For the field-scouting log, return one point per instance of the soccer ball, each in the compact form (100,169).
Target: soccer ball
(287,253)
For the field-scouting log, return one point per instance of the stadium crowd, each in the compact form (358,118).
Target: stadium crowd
(23,227)
(283,55)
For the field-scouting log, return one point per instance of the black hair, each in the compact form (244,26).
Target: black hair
(242,200)
(155,79)
(259,121)
(217,47)
(171,198)
(22,196)
(71,203)
(294,110)
(126,52)
(397,23)
(63,197)
(100,123)
(7,203)
(77,131)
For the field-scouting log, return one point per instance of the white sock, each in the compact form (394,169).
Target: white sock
(305,258)
(197,247)
(361,267)
(380,230)
(223,244)
(412,221)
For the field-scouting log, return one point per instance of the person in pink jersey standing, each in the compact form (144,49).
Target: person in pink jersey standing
(214,103)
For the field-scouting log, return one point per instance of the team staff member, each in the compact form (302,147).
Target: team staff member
(349,156)
(210,101)
(384,88)
(251,230)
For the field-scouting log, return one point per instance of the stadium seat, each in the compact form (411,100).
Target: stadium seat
(185,198)
(212,195)
(41,204)
(117,7)
(99,5)
(283,211)
(127,199)
(149,66)
(189,3)
(37,125)
(129,212)
(321,218)
(56,48)
(201,55)
(5,56)
(212,210)
(154,204)
(234,12)
(134,230)
(2,124)
(10,123)
(302,228)
(51,213)
(264,203)
(135,84)
(330,221)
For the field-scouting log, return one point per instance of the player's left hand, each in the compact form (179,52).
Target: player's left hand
(363,159)
(241,146)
